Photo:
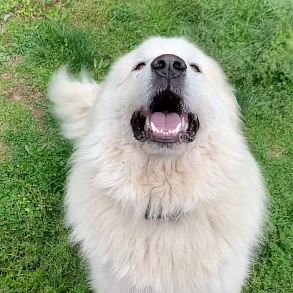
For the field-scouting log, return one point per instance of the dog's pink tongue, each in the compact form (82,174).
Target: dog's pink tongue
(165,122)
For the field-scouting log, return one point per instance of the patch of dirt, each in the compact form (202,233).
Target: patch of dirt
(4,152)
(7,75)
(35,9)
(16,60)
(25,93)
(276,152)
(38,113)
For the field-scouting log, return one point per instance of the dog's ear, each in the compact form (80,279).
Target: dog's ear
(120,70)
(218,81)
(72,99)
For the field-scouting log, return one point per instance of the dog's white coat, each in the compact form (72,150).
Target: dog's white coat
(214,181)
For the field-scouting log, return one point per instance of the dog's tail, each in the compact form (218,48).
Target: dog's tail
(72,99)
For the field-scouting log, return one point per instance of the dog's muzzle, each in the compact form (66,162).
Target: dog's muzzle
(166,119)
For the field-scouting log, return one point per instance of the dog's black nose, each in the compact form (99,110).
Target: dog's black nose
(168,66)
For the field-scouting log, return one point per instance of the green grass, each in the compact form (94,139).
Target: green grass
(253,41)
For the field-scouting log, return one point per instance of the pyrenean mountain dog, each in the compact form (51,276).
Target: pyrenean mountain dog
(163,193)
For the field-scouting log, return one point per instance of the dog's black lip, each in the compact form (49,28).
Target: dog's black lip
(137,122)
(190,134)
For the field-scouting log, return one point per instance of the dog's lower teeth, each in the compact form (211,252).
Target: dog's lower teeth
(171,132)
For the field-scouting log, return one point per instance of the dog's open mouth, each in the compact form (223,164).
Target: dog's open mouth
(165,121)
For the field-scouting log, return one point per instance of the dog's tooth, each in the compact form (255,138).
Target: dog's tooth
(182,122)
(178,127)
(154,128)
(147,121)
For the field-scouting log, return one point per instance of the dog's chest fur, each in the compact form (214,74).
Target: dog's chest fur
(158,250)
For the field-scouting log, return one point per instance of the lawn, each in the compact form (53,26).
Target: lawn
(252,40)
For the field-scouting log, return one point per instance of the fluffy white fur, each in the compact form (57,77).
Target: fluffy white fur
(214,181)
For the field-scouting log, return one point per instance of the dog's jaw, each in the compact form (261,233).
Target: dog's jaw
(165,120)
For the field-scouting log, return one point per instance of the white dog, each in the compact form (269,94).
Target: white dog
(163,194)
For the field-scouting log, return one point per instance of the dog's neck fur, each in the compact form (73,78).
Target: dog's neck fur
(166,192)
(158,187)
(173,216)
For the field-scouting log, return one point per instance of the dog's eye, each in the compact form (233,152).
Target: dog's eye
(139,66)
(195,67)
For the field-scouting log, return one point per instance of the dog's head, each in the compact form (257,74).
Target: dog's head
(166,94)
